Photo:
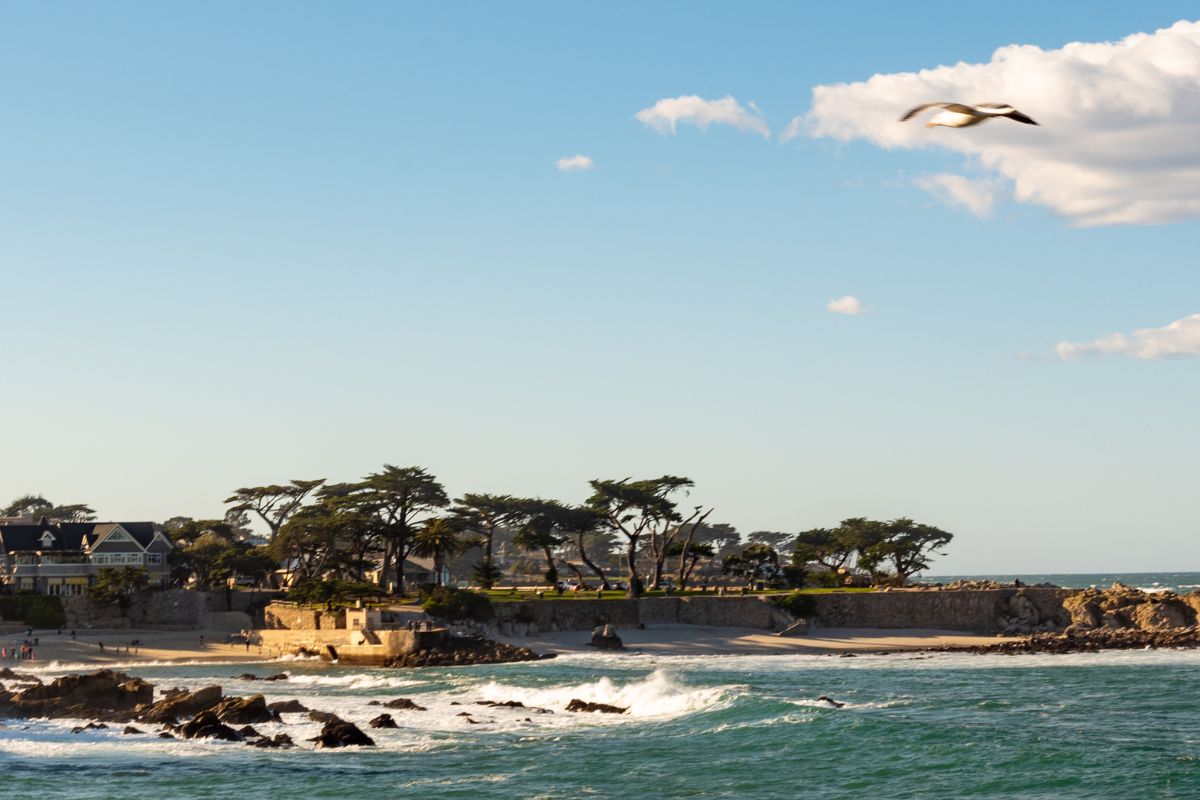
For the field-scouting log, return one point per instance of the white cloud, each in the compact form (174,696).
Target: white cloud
(1119,141)
(845,305)
(666,113)
(797,127)
(1180,338)
(574,163)
(976,196)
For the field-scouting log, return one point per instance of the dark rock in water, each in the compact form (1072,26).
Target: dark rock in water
(1091,641)
(165,735)
(383,721)
(343,734)
(605,637)
(830,701)
(175,692)
(181,706)
(282,676)
(246,676)
(104,694)
(131,731)
(287,707)
(594,708)
(248,732)
(466,651)
(205,725)
(512,704)
(244,710)
(403,703)
(281,741)
(324,717)
(463,714)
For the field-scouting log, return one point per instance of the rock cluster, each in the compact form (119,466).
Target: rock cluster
(1121,607)
(105,695)
(464,651)
(1092,641)
(594,708)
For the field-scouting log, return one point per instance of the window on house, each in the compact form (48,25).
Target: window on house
(153,558)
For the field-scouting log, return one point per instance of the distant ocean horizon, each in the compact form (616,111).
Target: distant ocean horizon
(1180,582)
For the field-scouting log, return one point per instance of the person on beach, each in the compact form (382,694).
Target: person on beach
(72,635)
(101,644)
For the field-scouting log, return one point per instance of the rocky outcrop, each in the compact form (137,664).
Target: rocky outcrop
(287,707)
(104,694)
(404,704)
(280,741)
(205,725)
(342,734)
(1121,607)
(1090,641)
(176,706)
(594,708)
(383,721)
(605,638)
(244,710)
(464,651)
(323,717)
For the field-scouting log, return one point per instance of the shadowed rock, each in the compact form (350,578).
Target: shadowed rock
(287,707)
(383,721)
(343,734)
(181,706)
(594,708)
(403,703)
(205,725)
(244,710)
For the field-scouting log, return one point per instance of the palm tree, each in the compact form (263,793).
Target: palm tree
(437,539)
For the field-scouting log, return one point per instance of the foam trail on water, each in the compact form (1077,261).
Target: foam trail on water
(657,695)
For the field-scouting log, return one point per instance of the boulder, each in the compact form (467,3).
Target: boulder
(605,637)
(280,741)
(248,732)
(104,694)
(594,708)
(1157,616)
(131,731)
(404,704)
(244,710)
(181,706)
(343,734)
(324,717)
(205,725)
(383,721)
(287,707)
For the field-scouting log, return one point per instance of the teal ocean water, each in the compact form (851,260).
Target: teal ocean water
(1109,725)
(1103,725)
(1181,582)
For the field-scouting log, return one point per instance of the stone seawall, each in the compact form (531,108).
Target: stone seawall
(179,609)
(540,616)
(981,611)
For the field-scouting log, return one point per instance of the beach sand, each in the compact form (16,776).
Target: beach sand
(155,646)
(694,640)
(682,640)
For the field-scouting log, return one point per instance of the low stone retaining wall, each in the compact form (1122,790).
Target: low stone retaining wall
(351,647)
(980,611)
(540,616)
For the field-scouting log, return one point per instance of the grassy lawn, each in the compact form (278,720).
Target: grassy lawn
(510,596)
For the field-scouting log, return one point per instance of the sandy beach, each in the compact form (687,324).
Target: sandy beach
(85,648)
(680,640)
(696,640)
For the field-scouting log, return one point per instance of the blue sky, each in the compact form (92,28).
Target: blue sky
(246,244)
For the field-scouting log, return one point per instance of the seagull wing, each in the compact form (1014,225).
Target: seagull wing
(956,107)
(1019,117)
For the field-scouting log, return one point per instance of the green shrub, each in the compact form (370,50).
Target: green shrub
(35,610)
(826,579)
(333,593)
(794,576)
(448,603)
(798,605)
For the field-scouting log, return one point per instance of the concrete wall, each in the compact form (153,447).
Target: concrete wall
(351,646)
(180,609)
(291,616)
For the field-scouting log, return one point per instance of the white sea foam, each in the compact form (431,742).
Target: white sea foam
(352,680)
(657,695)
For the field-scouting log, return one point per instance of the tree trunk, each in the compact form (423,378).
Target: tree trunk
(635,583)
(582,580)
(551,570)
(583,556)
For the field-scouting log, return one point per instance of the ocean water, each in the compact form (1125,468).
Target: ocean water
(1180,582)
(1109,725)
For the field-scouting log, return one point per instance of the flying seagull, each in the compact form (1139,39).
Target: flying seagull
(957,115)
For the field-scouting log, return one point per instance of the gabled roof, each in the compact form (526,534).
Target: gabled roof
(69,536)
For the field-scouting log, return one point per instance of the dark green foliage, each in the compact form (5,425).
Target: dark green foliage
(486,574)
(798,605)
(794,576)
(825,579)
(332,594)
(446,602)
(35,610)
(118,586)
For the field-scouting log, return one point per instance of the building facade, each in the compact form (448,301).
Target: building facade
(52,557)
